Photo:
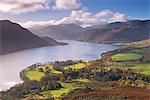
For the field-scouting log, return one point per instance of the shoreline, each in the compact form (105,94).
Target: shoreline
(59,47)
(104,65)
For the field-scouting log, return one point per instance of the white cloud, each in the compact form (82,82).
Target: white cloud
(83,18)
(38,23)
(21,6)
(110,16)
(105,13)
(66,4)
(118,17)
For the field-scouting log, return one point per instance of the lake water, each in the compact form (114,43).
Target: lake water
(12,64)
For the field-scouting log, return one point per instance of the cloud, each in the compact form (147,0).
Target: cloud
(110,16)
(38,23)
(21,6)
(83,18)
(66,4)
(118,17)
(105,13)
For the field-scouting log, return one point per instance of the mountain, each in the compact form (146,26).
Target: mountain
(61,31)
(130,31)
(52,41)
(14,38)
(138,44)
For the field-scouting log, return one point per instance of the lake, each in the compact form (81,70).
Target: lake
(12,64)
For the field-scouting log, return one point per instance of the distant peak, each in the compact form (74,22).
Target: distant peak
(6,21)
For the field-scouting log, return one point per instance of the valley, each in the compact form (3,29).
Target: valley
(18,61)
(123,70)
(74,50)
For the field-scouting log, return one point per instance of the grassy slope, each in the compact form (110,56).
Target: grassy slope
(50,67)
(34,75)
(80,83)
(126,57)
(142,68)
(66,89)
(76,66)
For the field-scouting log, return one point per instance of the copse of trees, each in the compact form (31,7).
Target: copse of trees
(49,84)
(19,91)
(102,74)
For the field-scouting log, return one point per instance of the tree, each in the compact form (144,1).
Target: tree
(41,70)
(69,78)
(62,79)
(86,76)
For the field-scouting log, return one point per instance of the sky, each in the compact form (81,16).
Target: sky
(30,13)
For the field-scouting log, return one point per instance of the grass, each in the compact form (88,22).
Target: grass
(76,66)
(50,67)
(142,68)
(67,88)
(138,68)
(126,57)
(58,94)
(34,75)
(56,72)
(83,80)
(44,67)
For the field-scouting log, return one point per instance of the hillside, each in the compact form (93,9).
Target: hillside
(118,75)
(130,31)
(52,41)
(62,31)
(15,38)
(138,44)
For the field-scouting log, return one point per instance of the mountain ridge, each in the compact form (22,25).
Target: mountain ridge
(130,31)
(15,38)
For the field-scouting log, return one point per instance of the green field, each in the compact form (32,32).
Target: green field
(58,94)
(83,80)
(70,86)
(76,66)
(126,57)
(138,68)
(34,75)
(50,67)
(142,68)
